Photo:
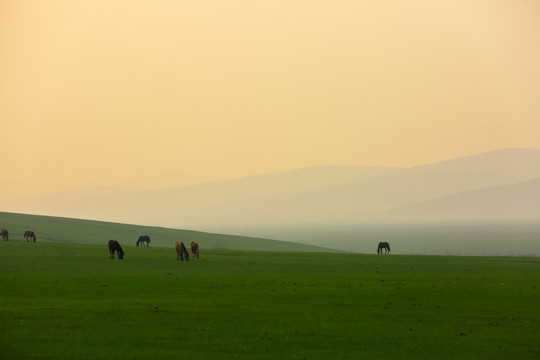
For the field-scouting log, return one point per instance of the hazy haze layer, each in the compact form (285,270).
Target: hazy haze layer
(498,184)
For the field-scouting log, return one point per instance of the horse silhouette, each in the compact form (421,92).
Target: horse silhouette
(29,236)
(142,240)
(383,246)
(181,251)
(115,246)
(195,249)
(5,235)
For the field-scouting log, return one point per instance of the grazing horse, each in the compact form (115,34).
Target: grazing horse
(142,240)
(29,235)
(5,235)
(195,249)
(115,246)
(383,246)
(181,251)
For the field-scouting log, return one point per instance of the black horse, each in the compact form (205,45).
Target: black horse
(115,246)
(29,236)
(142,240)
(383,246)
(5,235)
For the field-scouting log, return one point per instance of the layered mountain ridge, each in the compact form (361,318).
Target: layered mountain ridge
(502,183)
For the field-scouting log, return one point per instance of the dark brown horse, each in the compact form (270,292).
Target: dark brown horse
(5,235)
(181,251)
(115,246)
(142,240)
(383,246)
(29,236)
(195,249)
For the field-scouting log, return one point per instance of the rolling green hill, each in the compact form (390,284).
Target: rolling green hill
(77,231)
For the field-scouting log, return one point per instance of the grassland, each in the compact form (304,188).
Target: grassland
(70,301)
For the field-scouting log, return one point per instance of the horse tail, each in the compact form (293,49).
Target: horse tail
(120,251)
(184,250)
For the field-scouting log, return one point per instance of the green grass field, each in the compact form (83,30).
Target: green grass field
(70,301)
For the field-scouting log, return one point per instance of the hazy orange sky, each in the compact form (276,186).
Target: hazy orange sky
(100,91)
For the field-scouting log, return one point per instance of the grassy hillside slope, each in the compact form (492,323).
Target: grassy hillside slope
(76,231)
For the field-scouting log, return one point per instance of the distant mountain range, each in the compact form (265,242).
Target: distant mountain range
(498,184)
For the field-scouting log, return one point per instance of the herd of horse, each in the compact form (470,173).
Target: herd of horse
(144,240)
(115,247)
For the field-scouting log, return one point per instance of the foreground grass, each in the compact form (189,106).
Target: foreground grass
(61,301)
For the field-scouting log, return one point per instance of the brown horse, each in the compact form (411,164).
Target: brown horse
(115,246)
(29,235)
(195,249)
(383,246)
(5,235)
(181,251)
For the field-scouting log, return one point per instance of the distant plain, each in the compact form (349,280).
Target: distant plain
(458,237)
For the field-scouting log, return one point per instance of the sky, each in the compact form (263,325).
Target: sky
(100,91)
